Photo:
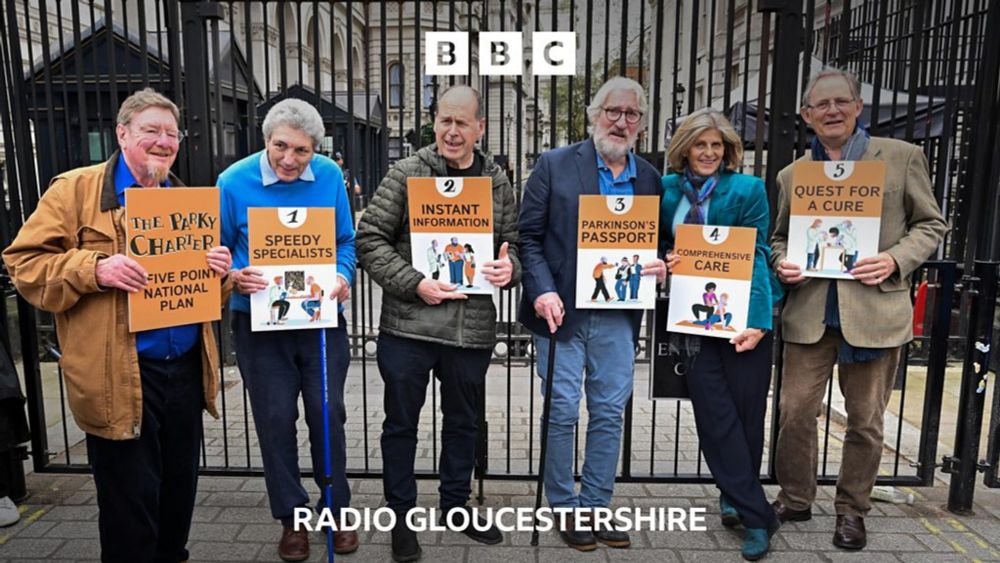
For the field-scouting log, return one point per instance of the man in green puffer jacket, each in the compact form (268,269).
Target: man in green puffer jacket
(427,325)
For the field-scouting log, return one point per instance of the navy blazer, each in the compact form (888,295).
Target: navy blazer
(550,209)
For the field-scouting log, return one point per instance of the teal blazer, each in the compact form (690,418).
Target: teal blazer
(739,200)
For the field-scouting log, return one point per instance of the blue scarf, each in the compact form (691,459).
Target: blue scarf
(853,149)
(697,189)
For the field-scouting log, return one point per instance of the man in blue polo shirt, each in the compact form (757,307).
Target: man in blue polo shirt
(277,367)
(138,396)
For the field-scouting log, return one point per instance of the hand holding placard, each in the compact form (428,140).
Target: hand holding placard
(120,272)
(219,259)
(498,272)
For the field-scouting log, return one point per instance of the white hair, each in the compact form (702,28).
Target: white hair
(827,71)
(613,85)
(297,114)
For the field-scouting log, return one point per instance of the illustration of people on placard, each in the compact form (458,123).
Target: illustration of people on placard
(435,260)
(849,240)
(313,304)
(277,302)
(469,258)
(622,278)
(721,314)
(454,253)
(600,288)
(708,303)
(835,242)
(635,277)
(814,237)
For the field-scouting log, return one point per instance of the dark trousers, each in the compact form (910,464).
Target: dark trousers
(146,486)
(729,397)
(405,365)
(600,289)
(277,367)
(697,309)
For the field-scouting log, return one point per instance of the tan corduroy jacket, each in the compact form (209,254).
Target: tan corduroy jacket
(912,228)
(52,260)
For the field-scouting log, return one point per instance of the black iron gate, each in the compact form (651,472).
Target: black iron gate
(67,65)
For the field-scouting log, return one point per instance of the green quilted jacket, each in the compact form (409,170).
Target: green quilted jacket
(383,245)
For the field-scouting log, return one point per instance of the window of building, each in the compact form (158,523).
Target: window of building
(429,91)
(396,85)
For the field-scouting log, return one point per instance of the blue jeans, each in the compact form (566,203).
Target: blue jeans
(620,286)
(277,367)
(633,287)
(455,271)
(599,357)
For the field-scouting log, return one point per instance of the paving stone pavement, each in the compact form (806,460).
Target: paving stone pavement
(232,523)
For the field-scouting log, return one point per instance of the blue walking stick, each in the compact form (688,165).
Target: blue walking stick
(327,462)
(546,411)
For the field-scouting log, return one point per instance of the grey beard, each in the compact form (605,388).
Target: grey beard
(611,151)
(158,174)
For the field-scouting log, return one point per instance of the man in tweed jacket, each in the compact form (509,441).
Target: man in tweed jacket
(427,325)
(859,324)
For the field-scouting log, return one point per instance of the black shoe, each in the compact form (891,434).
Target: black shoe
(490,536)
(580,540)
(405,546)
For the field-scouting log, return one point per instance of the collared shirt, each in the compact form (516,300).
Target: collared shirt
(269,176)
(160,343)
(624,184)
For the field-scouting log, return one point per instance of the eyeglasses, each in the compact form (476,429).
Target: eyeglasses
(840,103)
(631,116)
(154,133)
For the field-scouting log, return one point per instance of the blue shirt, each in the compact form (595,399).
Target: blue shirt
(159,343)
(251,182)
(624,184)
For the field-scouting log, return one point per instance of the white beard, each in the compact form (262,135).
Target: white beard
(610,150)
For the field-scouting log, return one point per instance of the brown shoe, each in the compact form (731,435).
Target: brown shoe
(786,514)
(294,545)
(850,532)
(345,542)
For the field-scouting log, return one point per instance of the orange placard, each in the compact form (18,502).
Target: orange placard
(450,205)
(613,222)
(710,251)
(168,232)
(290,236)
(838,188)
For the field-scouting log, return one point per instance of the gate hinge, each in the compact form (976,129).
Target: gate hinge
(949,464)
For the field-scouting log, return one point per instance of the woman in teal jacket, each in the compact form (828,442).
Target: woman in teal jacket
(728,380)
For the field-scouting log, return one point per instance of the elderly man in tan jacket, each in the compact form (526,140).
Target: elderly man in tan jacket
(861,324)
(138,396)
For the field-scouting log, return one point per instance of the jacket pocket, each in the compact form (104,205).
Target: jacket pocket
(85,362)
(89,238)
(894,283)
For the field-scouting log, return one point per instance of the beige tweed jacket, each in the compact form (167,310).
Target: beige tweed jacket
(912,228)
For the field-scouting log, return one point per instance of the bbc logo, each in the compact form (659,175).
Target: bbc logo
(553,53)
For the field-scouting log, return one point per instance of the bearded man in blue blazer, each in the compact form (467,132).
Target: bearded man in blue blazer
(595,348)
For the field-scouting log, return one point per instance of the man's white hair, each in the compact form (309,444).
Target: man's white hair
(297,114)
(613,85)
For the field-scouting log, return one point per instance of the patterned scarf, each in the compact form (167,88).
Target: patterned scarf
(697,189)
(853,149)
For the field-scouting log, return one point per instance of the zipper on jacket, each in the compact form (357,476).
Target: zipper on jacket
(118,216)
(461,323)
